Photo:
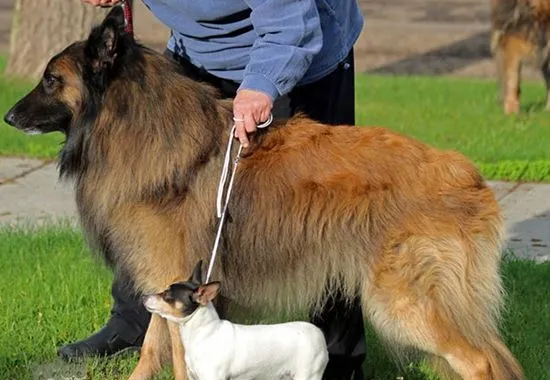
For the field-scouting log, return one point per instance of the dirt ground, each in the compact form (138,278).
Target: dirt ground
(423,37)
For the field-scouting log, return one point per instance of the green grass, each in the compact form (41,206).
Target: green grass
(53,291)
(448,113)
(463,114)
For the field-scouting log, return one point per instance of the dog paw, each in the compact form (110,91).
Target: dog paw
(511,107)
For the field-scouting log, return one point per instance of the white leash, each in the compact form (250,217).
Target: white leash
(222,210)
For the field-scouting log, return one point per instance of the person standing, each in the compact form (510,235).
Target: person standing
(271,56)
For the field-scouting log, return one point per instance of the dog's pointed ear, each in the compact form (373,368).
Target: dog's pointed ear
(102,43)
(206,293)
(196,277)
(115,17)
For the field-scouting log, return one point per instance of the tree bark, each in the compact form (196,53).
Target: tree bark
(42,28)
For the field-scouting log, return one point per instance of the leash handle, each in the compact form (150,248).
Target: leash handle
(128,20)
(266,123)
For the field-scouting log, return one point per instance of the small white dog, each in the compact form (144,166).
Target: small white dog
(216,349)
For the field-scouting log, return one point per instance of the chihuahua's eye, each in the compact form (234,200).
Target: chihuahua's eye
(167,297)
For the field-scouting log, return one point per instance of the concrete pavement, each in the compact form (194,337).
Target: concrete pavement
(31,193)
(526,209)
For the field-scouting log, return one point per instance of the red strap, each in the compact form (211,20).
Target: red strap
(129,25)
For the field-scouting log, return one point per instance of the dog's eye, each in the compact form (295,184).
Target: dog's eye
(167,296)
(50,80)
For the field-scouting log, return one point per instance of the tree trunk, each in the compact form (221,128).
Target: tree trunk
(42,28)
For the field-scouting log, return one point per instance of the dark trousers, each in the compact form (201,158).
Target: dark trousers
(330,100)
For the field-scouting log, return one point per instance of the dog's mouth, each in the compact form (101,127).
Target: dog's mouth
(150,304)
(164,314)
(32,131)
(151,309)
(46,123)
(38,128)
(25,126)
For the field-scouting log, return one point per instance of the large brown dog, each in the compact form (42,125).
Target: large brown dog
(520,32)
(414,231)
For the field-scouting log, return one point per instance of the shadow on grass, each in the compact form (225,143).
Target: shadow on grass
(534,107)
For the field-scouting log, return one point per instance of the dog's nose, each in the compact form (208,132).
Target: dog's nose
(9,118)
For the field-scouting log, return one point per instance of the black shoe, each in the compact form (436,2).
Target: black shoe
(358,374)
(105,342)
(345,374)
(344,368)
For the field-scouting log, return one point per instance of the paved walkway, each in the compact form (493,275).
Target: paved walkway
(29,192)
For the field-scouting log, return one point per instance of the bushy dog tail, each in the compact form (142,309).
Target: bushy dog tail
(502,364)
(501,361)
(475,307)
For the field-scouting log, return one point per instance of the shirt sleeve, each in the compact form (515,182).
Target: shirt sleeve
(289,36)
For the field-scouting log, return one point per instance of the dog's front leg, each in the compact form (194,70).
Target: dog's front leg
(178,352)
(155,350)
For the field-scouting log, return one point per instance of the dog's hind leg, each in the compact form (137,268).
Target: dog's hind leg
(508,52)
(442,296)
(155,351)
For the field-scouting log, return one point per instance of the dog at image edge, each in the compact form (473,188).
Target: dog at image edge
(520,33)
(413,231)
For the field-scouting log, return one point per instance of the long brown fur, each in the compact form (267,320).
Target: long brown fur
(520,33)
(413,231)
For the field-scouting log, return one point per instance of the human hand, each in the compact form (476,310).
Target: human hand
(102,3)
(250,108)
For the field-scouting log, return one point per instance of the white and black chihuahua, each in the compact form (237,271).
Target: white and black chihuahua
(216,349)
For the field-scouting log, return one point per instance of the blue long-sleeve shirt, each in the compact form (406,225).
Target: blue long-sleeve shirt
(265,45)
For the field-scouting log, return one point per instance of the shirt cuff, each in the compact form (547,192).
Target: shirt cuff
(259,82)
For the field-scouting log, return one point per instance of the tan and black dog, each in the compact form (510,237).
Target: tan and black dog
(415,232)
(520,33)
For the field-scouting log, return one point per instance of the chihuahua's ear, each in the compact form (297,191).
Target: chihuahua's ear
(196,277)
(206,293)
(102,44)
